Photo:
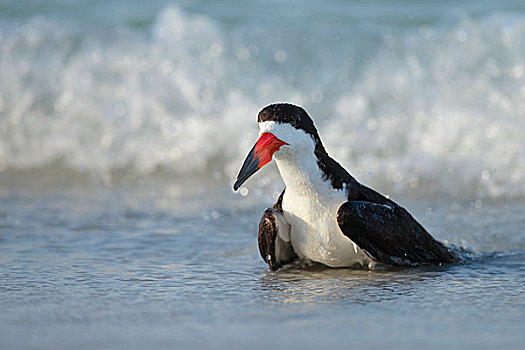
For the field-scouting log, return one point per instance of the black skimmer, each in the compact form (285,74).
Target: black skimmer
(324,215)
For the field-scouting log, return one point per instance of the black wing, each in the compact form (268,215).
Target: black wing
(273,249)
(388,233)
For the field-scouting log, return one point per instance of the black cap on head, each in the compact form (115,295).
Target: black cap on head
(291,114)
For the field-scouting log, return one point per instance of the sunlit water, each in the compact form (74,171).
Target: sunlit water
(122,127)
(133,268)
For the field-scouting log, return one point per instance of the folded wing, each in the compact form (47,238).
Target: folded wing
(274,237)
(389,234)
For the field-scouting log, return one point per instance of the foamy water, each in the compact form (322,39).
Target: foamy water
(409,100)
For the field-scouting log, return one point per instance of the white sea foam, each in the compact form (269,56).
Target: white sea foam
(443,108)
(438,108)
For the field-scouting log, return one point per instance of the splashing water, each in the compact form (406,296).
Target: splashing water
(436,107)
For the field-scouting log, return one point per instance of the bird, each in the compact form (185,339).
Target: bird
(324,215)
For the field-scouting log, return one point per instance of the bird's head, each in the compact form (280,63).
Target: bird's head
(286,131)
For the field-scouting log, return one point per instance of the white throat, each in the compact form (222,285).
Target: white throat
(296,162)
(302,175)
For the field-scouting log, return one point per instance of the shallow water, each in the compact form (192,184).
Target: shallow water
(122,127)
(128,267)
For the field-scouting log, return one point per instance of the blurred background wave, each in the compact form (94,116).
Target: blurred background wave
(426,97)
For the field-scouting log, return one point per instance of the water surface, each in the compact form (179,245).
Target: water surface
(126,268)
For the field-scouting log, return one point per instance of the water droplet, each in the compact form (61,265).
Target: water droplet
(280,56)
(462,35)
(517,71)
(243,54)
(317,96)
(215,49)
(413,182)
(106,141)
(397,177)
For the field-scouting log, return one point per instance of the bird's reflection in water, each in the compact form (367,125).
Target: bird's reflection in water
(319,284)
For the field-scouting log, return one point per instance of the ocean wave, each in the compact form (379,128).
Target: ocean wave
(439,108)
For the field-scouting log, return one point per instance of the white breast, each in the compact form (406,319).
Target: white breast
(315,234)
